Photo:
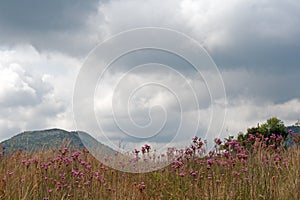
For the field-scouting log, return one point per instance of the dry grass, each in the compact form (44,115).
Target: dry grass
(262,173)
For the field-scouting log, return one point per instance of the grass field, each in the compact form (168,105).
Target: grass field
(259,169)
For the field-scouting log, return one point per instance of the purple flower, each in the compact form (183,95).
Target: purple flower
(210,161)
(182,174)
(11,173)
(75,154)
(194,173)
(141,186)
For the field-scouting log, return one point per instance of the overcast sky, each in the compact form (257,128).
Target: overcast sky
(43,45)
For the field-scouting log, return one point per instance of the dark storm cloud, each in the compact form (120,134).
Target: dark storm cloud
(261,86)
(261,36)
(47,25)
(35,15)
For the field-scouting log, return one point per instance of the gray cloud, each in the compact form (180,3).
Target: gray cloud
(34,15)
(50,25)
(254,43)
(261,86)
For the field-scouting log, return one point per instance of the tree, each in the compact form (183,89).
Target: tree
(272,126)
(241,137)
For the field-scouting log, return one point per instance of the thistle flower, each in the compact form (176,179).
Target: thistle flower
(182,174)
(141,186)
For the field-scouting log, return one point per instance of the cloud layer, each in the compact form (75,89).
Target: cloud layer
(255,45)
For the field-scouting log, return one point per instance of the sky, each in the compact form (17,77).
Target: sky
(44,46)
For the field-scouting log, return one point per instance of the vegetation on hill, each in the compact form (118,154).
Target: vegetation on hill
(34,141)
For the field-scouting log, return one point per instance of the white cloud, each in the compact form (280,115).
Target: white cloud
(36,90)
(249,114)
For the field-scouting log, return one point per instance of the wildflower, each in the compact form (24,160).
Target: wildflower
(210,161)
(62,176)
(273,136)
(88,166)
(226,154)
(195,139)
(242,156)
(182,174)
(75,154)
(194,173)
(141,186)
(236,173)
(136,152)
(224,163)
(86,183)
(218,141)
(143,150)
(147,147)
(11,173)
(59,186)
(200,144)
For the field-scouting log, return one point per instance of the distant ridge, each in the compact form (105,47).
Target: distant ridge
(34,141)
(296,131)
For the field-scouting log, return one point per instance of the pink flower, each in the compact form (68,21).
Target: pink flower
(194,173)
(242,156)
(236,173)
(86,183)
(11,173)
(141,186)
(218,141)
(75,154)
(182,174)
(147,147)
(88,167)
(136,151)
(210,161)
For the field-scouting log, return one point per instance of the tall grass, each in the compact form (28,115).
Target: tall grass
(258,170)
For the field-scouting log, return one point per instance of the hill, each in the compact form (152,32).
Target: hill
(296,132)
(295,129)
(33,141)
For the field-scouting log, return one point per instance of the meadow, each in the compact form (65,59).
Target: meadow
(257,168)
